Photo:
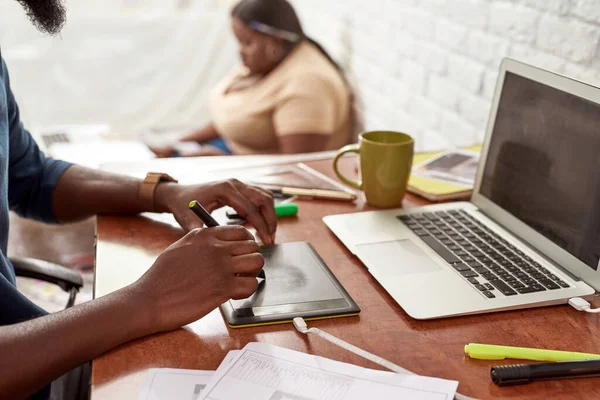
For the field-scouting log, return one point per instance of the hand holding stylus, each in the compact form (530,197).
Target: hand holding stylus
(210,222)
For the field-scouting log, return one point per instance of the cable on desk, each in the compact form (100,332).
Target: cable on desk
(300,325)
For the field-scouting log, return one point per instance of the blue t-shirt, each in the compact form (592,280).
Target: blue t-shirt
(27,180)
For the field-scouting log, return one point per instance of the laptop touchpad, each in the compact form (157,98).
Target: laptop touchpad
(396,258)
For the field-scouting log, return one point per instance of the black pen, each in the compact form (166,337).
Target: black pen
(210,222)
(505,375)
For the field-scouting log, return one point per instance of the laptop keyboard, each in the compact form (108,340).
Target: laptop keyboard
(52,138)
(488,262)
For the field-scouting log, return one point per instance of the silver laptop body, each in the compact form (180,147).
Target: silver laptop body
(47,137)
(530,235)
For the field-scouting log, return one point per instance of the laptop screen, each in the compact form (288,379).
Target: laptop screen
(543,164)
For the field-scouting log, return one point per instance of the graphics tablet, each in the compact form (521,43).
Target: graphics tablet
(297,284)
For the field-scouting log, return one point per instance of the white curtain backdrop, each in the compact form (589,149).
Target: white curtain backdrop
(132,64)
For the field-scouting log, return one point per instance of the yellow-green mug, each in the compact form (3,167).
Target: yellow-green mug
(385,164)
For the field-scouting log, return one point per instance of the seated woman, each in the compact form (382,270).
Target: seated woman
(288,97)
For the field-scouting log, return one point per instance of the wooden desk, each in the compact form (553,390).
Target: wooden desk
(127,246)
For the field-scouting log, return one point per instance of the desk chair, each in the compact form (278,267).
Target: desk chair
(70,281)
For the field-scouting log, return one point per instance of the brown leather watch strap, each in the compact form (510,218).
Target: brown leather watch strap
(148,187)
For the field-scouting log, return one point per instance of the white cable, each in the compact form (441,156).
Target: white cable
(301,327)
(582,305)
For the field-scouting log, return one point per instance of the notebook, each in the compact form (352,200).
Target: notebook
(442,188)
(297,284)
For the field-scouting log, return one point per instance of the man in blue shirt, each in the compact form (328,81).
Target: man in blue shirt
(192,277)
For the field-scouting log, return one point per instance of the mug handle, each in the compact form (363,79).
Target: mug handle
(351,148)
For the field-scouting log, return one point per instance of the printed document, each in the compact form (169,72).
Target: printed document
(184,384)
(265,372)
(170,383)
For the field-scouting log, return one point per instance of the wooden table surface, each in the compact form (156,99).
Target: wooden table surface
(127,246)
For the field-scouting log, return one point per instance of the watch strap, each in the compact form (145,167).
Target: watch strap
(148,187)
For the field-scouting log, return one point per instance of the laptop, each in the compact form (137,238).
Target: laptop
(530,234)
(47,137)
(89,145)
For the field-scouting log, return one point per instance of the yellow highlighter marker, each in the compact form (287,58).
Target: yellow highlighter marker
(492,352)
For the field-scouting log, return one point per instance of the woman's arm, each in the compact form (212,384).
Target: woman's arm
(307,116)
(209,132)
(205,134)
(302,143)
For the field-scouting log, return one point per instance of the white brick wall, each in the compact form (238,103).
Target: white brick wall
(429,67)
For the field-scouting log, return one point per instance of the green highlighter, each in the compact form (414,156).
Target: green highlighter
(286,209)
(281,210)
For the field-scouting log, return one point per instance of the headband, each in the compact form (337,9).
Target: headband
(269,30)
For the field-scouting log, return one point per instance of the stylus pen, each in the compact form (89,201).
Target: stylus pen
(506,375)
(201,213)
(210,222)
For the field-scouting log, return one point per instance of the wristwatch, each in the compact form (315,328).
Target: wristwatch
(148,187)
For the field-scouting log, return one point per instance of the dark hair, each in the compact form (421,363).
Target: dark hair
(278,14)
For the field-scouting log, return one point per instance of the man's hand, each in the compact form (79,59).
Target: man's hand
(253,204)
(188,280)
(198,273)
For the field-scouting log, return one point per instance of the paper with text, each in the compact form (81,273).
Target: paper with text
(184,384)
(170,383)
(265,372)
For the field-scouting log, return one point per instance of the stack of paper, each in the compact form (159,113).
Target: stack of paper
(448,175)
(265,372)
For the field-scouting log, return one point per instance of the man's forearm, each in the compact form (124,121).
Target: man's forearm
(38,351)
(83,192)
